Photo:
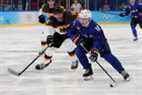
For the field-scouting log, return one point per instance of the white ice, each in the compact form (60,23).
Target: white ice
(19,46)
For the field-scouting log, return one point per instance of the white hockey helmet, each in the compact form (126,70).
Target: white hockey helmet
(85,14)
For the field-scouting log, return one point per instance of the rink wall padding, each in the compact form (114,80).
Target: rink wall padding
(7,18)
(18,17)
(109,17)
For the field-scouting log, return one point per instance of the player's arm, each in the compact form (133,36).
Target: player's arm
(126,12)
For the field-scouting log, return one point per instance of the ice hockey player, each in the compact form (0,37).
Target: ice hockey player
(135,10)
(88,36)
(55,35)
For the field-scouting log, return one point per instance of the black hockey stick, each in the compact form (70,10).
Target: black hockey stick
(20,73)
(114,82)
(106,72)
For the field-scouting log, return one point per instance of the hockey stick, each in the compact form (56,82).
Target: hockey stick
(114,82)
(20,73)
(106,72)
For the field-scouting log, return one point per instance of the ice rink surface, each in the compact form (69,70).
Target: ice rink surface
(19,46)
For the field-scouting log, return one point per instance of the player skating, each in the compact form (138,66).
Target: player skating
(88,36)
(55,35)
(135,10)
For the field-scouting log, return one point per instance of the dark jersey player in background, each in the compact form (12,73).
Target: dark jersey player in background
(135,10)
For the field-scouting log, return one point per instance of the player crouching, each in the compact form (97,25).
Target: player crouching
(89,37)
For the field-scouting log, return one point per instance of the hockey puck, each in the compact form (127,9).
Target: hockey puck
(111,85)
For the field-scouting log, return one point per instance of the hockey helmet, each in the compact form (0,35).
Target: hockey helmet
(85,14)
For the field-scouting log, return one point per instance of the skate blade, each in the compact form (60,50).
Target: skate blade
(88,78)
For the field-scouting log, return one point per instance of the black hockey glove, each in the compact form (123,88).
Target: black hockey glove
(42,19)
(50,41)
(94,55)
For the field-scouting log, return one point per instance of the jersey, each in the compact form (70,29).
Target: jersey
(134,10)
(67,19)
(93,35)
(60,27)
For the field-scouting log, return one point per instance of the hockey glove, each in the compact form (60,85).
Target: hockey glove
(94,55)
(42,19)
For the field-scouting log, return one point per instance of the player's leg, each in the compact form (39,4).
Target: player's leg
(46,41)
(81,54)
(133,24)
(116,64)
(56,39)
(140,23)
(61,39)
(73,59)
(46,62)
(70,49)
(47,59)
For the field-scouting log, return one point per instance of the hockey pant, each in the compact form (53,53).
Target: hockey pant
(105,53)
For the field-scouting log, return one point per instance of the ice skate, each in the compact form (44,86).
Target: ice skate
(88,74)
(125,75)
(74,65)
(135,39)
(42,65)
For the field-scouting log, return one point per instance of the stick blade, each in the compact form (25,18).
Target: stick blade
(13,72)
